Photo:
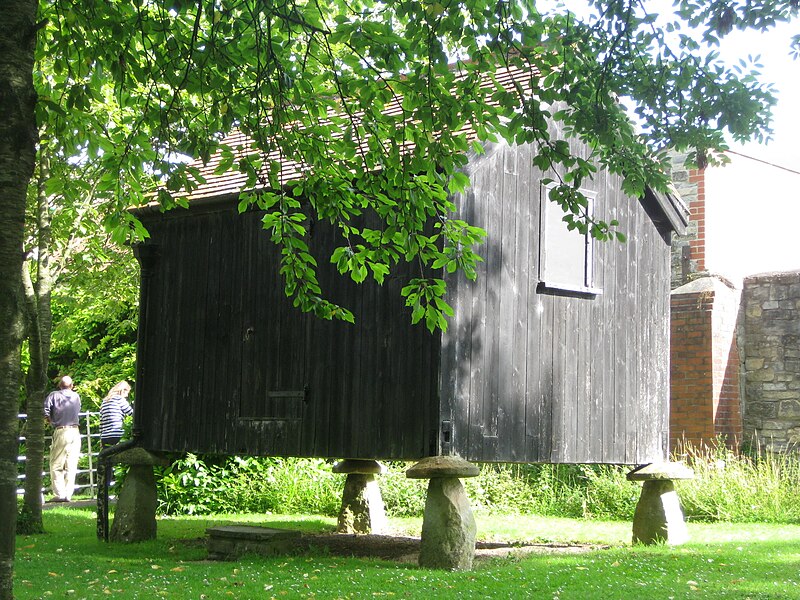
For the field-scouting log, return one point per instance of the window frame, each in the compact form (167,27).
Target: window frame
(550,282)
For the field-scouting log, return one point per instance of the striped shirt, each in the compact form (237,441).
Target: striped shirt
(112,412)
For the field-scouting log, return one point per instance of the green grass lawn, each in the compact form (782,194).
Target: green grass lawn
(721,561)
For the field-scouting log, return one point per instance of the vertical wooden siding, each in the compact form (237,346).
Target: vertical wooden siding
(535,377)
(225,346)
(232,367)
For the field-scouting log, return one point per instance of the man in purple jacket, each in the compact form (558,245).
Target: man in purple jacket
(61,409)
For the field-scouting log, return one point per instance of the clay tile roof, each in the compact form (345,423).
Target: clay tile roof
(673,212)
(232,182)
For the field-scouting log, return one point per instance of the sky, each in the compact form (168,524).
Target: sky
(753,204)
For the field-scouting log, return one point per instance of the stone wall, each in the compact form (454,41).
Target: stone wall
(754,397)
(771,348)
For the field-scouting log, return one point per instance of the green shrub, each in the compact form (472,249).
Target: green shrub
(286,485)
(728,487)
(208,485)
(608,494)
(402,497)
(762,487)
(189,486)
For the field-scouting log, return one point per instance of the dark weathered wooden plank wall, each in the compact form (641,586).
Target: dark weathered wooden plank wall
(550,377)
(525,376)
(233,367)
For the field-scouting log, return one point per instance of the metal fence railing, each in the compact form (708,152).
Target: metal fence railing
(86,479)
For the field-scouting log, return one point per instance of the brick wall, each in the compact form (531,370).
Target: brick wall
(772,359)
(704,396)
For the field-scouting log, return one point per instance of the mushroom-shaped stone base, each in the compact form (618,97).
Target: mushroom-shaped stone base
(362,505)
(135,517)
(658,517)
(448,527)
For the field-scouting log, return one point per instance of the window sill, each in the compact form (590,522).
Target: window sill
(562,289)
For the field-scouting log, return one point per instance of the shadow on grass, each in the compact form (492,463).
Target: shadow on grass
(728,561)
(68,528)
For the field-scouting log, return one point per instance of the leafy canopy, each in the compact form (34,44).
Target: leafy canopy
(374,99)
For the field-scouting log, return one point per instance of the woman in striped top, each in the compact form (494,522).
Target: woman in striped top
(113,410)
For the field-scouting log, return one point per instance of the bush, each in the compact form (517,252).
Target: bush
(208,485)
(727,487)
(762,487)
(402,497)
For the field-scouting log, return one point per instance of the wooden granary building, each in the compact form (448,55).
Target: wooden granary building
(558,352)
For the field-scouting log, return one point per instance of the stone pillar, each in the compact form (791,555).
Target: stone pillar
(658,517)
(362,505)
(704,365)
(135,515)
(448,527)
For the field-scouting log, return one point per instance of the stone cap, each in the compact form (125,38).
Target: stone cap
(251,532)
(139,456)
(442,466)
(660,471)
(359,466)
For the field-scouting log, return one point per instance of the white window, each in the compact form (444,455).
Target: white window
(565,261)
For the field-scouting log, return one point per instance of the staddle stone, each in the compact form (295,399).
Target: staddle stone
(659,517)
(448,527)
(442,466)
(657,471)
(138,456)
(366,467)
(362,506)
(135,516)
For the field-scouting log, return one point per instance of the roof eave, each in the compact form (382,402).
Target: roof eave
(672,207)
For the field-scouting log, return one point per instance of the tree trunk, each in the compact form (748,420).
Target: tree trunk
(18,137)
(39,328)
(30,517)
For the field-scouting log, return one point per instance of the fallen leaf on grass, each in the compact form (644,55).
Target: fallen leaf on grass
(155,567)
(177,569)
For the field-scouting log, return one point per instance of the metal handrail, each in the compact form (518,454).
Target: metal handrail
(85,427)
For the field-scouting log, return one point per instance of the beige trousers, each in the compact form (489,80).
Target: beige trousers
(64,455)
